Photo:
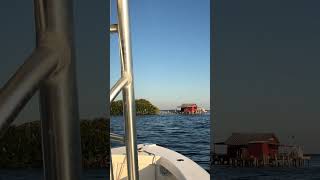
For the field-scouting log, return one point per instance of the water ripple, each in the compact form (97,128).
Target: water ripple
(188,135)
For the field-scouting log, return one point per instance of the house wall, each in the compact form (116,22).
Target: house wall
(191,109)
(274,149)
(258,150)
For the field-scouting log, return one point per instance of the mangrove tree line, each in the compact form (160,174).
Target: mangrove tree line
(143,107)
(20,146)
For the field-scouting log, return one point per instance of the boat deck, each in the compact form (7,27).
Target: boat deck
(156,162)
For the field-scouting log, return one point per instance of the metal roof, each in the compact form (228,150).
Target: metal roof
(246,138)
(188,105)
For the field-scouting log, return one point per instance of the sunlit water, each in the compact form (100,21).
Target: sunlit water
(186,134)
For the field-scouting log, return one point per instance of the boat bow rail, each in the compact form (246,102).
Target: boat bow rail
(155,162)
(50,69)
(125,84)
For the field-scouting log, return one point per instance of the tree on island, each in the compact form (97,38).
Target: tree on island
(143,107)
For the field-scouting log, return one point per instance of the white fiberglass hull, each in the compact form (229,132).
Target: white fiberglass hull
(158,163)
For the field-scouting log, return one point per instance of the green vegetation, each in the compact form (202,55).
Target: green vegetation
(20,146)
(143,107)
(95,142)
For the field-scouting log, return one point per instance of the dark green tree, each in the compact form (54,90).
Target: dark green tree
(143,107)
(20,146)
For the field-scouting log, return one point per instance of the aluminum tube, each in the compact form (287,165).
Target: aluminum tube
(114,28)
(60,123)
(24,83)
(115,90)
(40,21)
(117,137)
(128,90)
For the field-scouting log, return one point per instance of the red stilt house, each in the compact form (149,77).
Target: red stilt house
(257,145)
(188,108)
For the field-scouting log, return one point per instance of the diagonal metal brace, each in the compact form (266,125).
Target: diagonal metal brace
(115,90)
(24,83)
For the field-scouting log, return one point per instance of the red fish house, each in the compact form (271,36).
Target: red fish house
(257,145)
(258,149)
(189,108)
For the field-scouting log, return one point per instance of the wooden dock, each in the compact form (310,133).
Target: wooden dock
(283,160)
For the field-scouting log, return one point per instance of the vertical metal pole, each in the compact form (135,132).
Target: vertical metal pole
(58,94)
(128,91)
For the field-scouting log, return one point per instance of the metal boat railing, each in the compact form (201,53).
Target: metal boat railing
(125,83)
(51,70)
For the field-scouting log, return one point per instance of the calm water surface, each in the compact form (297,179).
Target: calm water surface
(312,172)
(186,134)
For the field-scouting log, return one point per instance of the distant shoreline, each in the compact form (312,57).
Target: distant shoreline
(143,107)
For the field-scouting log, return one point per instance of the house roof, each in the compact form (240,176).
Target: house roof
(187,105)
(246,138)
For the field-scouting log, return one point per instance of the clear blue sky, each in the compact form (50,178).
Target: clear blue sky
(177,56)
(171,51)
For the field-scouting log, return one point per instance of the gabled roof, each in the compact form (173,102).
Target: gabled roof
(246,138)
(188,105)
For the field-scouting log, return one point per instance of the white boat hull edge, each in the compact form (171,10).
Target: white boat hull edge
(158,163)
